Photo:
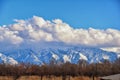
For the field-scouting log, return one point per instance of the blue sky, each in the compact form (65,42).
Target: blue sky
(100,14)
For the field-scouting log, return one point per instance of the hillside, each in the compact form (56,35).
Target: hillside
(60,55)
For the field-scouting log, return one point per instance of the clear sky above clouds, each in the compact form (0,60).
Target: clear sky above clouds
(39,22)
(100,14)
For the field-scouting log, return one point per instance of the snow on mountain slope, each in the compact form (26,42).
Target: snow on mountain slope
(70,54)
(55,56)
(6,59)
(83,57)
(66,58)
(113,49)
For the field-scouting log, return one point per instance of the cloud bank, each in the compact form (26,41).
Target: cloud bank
(37,30)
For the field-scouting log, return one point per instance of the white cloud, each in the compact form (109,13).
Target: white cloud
(38,30)
(7,35)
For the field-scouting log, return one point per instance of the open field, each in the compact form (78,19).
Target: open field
(45,78)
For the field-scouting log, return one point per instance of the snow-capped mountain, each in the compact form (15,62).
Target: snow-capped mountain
(7,59)
(68,54)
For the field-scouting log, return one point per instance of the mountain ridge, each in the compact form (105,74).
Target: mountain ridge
(66,54)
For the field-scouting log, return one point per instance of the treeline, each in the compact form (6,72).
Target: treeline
(65,69)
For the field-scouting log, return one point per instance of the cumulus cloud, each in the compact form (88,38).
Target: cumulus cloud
(38,30)
(6,35)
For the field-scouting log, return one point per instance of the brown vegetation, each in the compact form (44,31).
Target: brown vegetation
(46,78)
(65,71)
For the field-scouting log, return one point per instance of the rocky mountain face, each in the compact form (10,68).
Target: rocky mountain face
(45,55)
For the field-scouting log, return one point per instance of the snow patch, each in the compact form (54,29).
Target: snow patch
(83,57)
(6,59)
(66,58)
(112,49)
(55,56)
(35,58)
(106,57)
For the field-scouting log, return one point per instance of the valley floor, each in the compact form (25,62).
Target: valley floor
(45,78)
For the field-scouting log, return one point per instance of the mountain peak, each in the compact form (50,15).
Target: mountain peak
(68,54)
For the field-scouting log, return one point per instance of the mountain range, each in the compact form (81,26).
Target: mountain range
(62,55)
